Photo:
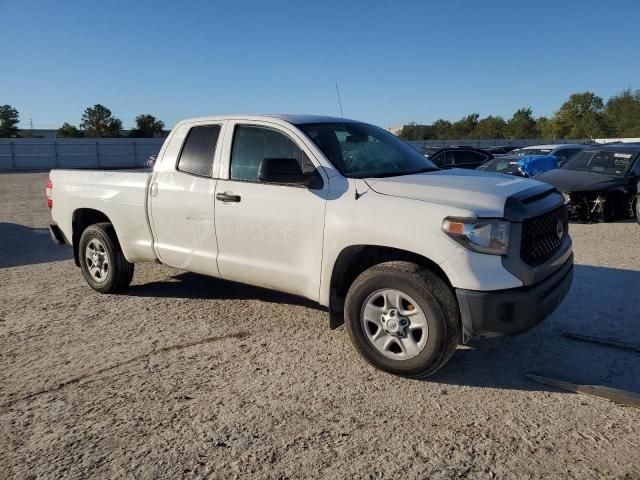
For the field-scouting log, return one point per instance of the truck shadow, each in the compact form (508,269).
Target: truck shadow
(23,245)
(603,302)
(193,285)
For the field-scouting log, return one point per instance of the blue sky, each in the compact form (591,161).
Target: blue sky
(395,61)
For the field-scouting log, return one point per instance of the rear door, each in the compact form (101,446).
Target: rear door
(268,235)
(182,202)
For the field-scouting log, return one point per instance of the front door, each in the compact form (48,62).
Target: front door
(269,235)
(182,201)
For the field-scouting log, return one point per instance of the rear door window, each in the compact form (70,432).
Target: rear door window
(198,150)
(468,157)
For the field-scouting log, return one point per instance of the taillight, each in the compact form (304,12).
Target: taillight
(48,188)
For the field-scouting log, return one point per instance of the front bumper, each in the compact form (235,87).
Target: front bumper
(515,310)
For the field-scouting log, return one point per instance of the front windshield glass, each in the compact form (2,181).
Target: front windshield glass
(498,165)
(359,150)
(599,161)
(531,151)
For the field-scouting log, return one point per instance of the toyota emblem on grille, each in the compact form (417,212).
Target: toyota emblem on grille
(559,229)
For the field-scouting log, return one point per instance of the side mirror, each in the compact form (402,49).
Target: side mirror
(286,171)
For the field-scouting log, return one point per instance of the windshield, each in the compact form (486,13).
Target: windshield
(598,161)
(359,150)
(499,165)
(531,151)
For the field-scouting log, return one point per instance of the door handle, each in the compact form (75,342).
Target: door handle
(227,197)
(154,189)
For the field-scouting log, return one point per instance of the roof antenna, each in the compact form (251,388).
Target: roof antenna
(339,101)
(358,195)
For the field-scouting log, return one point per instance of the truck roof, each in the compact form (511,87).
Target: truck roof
(293,118)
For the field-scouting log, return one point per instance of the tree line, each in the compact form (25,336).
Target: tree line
(583,115)
(97,122)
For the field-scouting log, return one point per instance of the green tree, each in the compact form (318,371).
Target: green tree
(413,131)
(147,126)
(465,127)
(442,129)
(623,114)
(408,132)
(545,127)
(582,116)
(97,121)
(9,119)
(522,125)
(490,127)
(68,131)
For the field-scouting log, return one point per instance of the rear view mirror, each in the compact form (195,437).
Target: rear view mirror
(285,171)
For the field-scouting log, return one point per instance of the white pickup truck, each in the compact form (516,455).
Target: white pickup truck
(412,258)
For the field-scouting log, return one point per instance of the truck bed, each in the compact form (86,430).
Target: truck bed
(120,195)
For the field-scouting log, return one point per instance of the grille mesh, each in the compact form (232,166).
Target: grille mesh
(540,236)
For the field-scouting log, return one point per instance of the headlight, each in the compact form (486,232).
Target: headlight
(480,235)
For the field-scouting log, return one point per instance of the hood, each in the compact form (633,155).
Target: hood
(567,180)
(482,193)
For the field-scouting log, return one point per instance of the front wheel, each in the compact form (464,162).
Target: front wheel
(403,319)
(638,208)
(103,264)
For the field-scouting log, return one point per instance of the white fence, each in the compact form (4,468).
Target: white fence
(44,154)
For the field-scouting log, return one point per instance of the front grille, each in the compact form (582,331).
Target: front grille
(542,236)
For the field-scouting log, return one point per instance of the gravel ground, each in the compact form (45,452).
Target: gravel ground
(191,377)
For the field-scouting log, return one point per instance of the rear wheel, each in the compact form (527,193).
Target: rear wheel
(103,264)
(403,319)
(638,208)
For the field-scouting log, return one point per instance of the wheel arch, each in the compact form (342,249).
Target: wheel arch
(355,259)
(81,219)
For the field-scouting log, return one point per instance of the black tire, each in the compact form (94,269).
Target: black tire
(433,296)
(638,208)
(120,272)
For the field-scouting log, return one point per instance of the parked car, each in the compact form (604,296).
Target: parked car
(414,259)
(637,202)
(460,157)
(600,183)
(563,151)
(527,166)
(500,150)
(428,151)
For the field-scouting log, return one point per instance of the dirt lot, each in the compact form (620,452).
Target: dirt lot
(186,376)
